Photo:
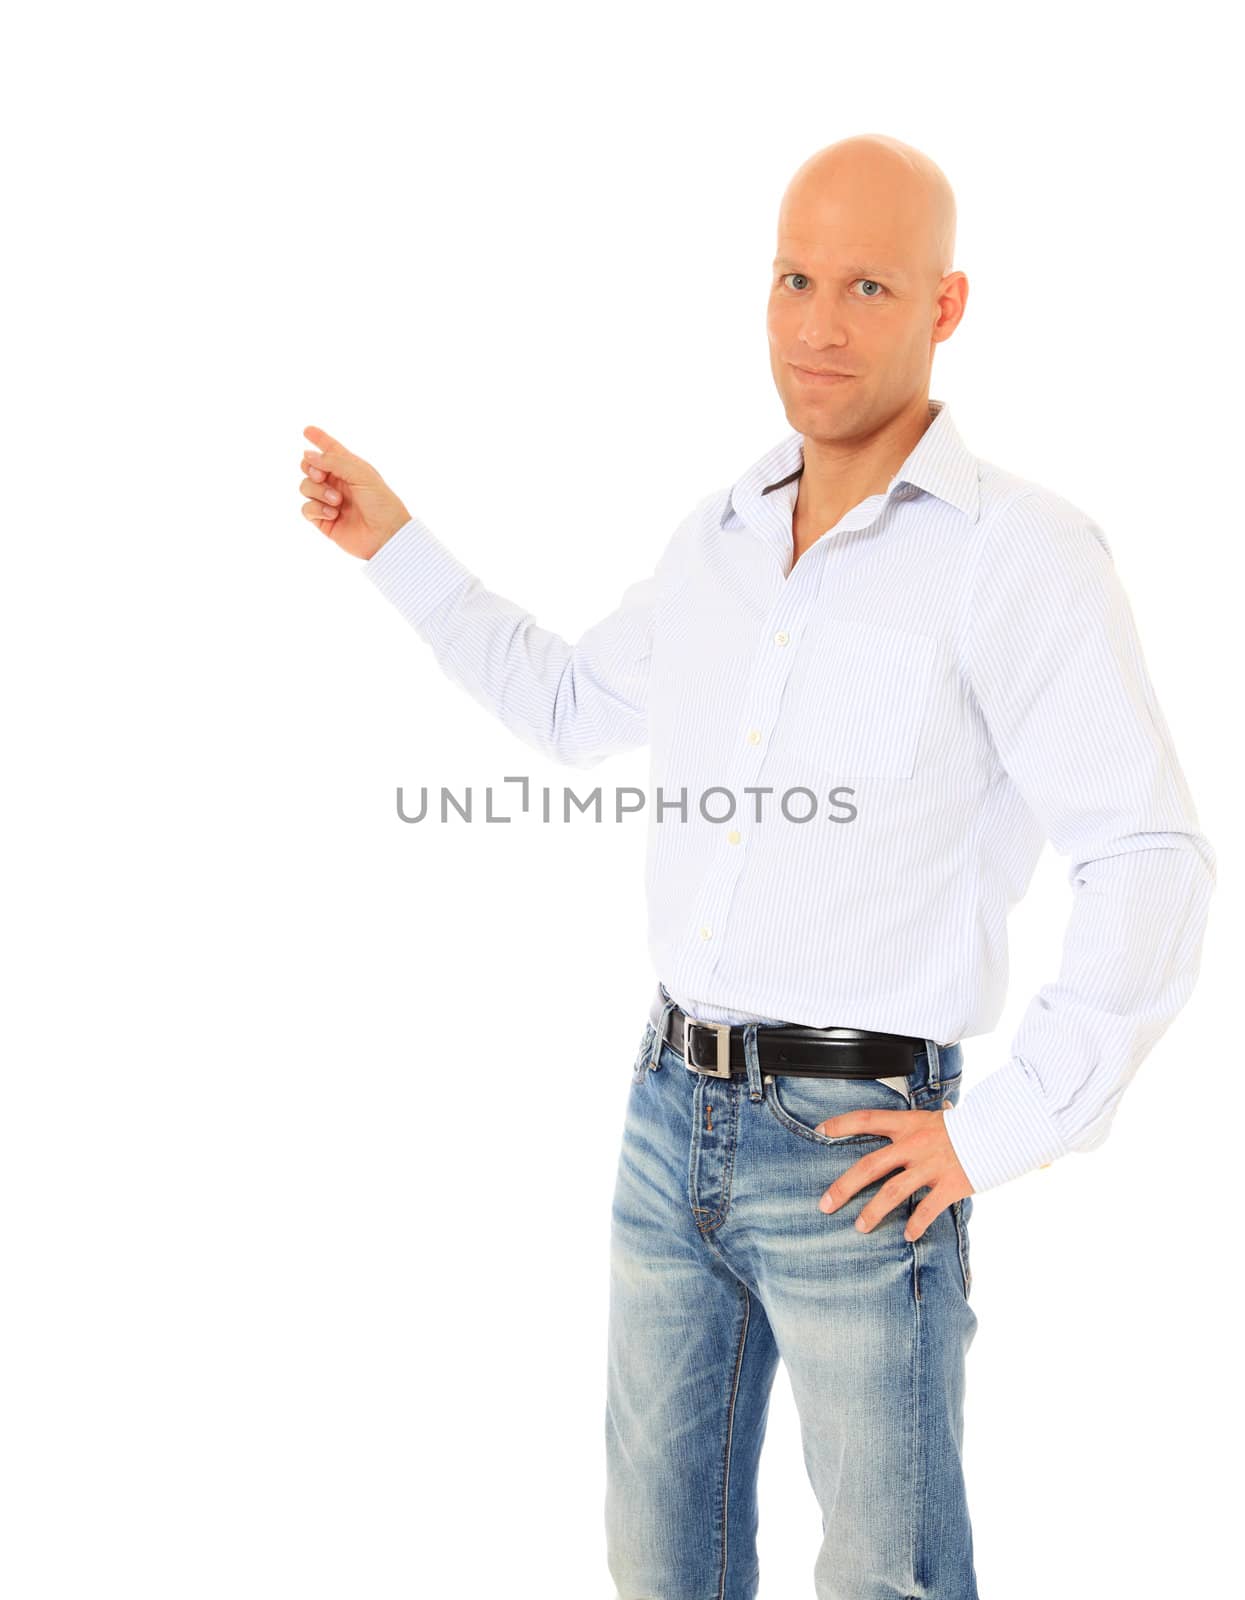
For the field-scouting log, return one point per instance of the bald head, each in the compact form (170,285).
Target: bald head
(874,188)
(863,288)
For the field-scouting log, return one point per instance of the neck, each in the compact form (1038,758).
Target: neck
(839,473)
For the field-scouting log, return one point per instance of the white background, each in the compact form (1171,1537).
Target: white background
(304,1284)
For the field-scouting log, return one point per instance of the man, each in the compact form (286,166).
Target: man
(938,655)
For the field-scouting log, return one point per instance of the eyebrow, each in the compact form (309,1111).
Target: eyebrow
(874,271)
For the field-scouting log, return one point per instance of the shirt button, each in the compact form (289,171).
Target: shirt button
(781,637)
(733,836)
(754,736)
(705,933)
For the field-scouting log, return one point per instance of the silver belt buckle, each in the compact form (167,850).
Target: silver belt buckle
(723,1031)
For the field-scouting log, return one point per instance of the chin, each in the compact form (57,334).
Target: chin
(814,408)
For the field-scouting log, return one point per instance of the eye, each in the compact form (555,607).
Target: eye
(875,284)
(794,275)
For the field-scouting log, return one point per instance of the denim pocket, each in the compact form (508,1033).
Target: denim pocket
(640,1065)
(930,1099)
(961,1211)
(800,1104)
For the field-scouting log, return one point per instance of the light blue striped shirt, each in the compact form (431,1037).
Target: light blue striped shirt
(953,670)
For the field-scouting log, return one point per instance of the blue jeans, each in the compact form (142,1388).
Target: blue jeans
(720,1262)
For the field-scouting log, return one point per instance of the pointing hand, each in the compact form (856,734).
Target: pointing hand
(346,498)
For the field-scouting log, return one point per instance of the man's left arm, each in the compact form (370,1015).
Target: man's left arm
(1056,668)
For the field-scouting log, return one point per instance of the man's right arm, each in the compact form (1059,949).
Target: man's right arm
(576,703)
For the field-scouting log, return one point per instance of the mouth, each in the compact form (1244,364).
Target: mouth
(807,375)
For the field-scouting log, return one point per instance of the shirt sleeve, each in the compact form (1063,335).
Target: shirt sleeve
(576,703)
(1056,667)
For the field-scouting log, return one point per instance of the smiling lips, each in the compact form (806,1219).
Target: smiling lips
(808,375)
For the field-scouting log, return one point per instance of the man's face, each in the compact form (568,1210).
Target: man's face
(857,303)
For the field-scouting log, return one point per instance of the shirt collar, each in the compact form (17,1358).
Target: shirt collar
(939,463)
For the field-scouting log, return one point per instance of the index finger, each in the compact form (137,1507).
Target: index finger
(322,440)
(858,1121)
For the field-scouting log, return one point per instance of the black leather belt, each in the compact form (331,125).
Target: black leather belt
(789,1051)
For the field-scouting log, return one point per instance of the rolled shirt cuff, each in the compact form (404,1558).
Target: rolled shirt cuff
(1002,1128)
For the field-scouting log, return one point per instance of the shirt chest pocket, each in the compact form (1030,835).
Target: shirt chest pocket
(864,692)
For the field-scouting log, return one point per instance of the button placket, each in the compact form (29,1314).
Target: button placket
(767,681)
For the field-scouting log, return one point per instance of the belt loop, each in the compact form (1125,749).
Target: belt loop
(663,1021)
(933,1056)
(752,1059)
